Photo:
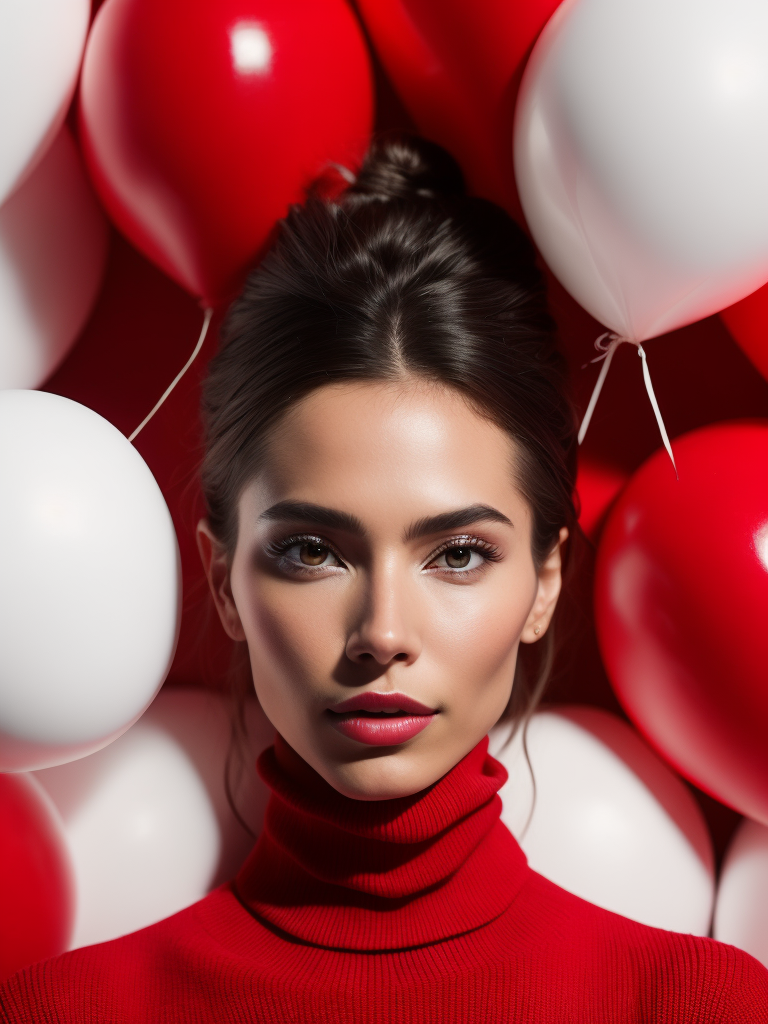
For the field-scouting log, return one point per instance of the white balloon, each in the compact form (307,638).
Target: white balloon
(53,249)
(741,908)
(610,823)
(147,821)
(41,45)
(641,156)
(90,582)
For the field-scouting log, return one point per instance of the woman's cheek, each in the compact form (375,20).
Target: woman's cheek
(476,629)
(293,631)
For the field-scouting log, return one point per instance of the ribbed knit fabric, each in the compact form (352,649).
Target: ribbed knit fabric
(391,912)
(398,873)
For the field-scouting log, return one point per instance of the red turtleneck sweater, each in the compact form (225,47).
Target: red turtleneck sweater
(412,910)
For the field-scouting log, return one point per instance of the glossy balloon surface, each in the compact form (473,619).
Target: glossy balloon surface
(201,122)
(37,898)
(747,322)
(458,73)
(89,589)
(147,819)
(610,822)
(641,157)
(597,487)
(41,44)
(681,596)
(53,250)
(141,333)
(741,910)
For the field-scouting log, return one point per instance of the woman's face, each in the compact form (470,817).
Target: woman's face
(383,580)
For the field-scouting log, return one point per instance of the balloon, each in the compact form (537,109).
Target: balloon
(89,589)
(201,122)
(140,334)
(37,898)
(458,76)
(147,819)
(741,910)
(41,43)
(610,822)
(747,322)
(681,604)
(597,486)
(53,249)
(641,157)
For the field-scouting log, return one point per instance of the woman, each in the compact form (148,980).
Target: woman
(388,473)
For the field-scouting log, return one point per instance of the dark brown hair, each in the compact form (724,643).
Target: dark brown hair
(402,275)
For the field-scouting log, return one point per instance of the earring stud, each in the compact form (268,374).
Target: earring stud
(537,630)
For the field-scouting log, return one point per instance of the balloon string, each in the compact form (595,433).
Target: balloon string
(606,345)
(656,409)
(177,378)
(607,356)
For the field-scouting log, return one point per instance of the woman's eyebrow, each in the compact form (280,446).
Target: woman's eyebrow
(335,519)
(455,520)
(319,515)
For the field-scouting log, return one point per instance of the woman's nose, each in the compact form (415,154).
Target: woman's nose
(384,628)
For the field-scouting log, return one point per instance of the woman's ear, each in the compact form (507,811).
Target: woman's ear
(547,593)
(216,565)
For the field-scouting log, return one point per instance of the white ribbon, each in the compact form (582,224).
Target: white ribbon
(177,378)
(606,345)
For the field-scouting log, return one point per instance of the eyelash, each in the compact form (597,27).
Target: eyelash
(278,548)
(490,553)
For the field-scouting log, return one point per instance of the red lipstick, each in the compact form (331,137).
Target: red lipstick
(381,719)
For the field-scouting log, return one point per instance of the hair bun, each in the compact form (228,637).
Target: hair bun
(406,167)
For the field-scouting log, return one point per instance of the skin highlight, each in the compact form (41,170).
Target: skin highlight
(383,547)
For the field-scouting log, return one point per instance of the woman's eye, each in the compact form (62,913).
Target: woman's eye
(310,553)
(460,557)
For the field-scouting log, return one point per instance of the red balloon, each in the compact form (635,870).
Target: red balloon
(597,487)
(457,69)
(36,882)
(682,609)
(747,321)
(203,120)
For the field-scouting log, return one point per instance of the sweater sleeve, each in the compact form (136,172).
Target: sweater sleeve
(75,988)
(742,992)
(707,982)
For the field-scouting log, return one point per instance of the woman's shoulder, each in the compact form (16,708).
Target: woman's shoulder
(123,979)
(675,976)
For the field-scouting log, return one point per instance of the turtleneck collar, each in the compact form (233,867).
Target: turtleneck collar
(385,874)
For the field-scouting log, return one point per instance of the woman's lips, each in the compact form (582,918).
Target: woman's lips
(386,719)
(372,700)
(386,731)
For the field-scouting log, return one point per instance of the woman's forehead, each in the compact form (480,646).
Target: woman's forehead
(385,450)
(372,419)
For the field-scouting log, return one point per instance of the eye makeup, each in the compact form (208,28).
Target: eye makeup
(313,545)
(460,548)
(458,552)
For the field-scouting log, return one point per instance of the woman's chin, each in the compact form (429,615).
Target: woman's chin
(388,773)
